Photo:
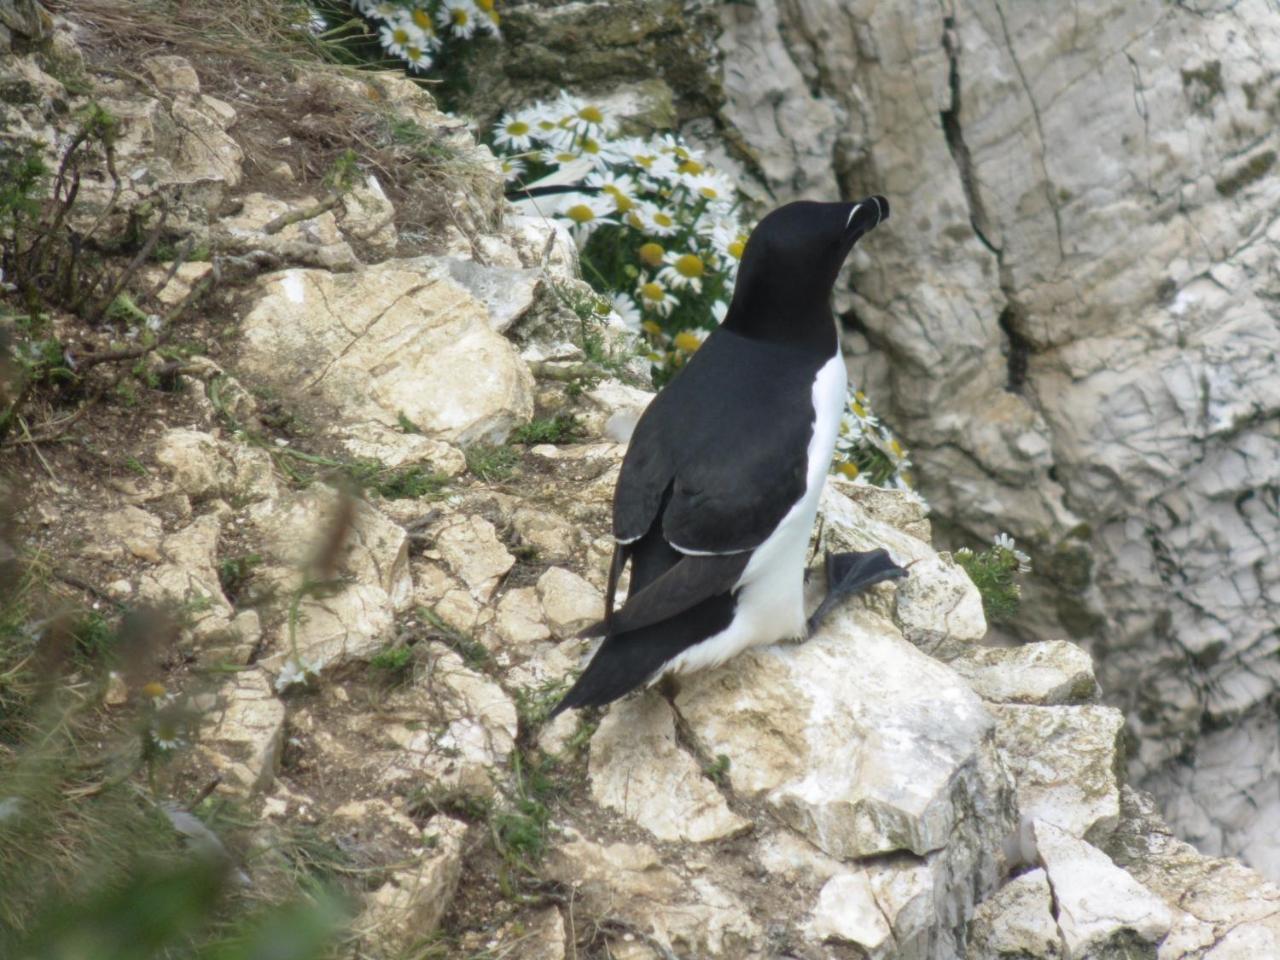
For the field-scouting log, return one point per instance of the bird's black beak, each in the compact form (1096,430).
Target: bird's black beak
(866,215)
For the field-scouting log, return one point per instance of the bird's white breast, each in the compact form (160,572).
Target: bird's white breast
(770,603)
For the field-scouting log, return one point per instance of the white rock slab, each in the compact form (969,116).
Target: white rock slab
(1100,907)
(384,342)
(1065,762)
(639,770)
(1049,673)
(855,738)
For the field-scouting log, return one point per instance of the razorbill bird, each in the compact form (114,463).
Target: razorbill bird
(719,487)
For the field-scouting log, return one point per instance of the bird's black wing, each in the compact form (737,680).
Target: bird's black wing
(721,454)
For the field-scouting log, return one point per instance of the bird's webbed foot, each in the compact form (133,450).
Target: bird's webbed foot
(850,573)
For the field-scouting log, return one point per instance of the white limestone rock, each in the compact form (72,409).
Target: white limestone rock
(847,911)
(1128,434)
(470,547)
(243,732)
(1016,921)
(854,738)
(1045,674)
(1101,910)
(519,618)
(295,531)
(128,531)
(368,217)
(412,901)
(639,770)
(383,343)
(569,601)
(694,917)
(1066,764)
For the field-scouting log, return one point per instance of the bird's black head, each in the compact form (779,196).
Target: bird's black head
(790,264)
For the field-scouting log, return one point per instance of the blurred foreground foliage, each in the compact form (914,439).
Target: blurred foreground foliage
(97,861)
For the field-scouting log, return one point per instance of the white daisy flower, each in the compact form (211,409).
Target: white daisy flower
(585,213)
(654,297)
(513,132)
(684,271)
(689,340)
(620,188)
(395,38)
(659,221)
(627,311)
(418,58)
(1004,540)
(711,186)
(458,17)
(512,168)
(719,310)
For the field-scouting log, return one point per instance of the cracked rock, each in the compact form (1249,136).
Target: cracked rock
(1102,911)
(570,602)
(411,903)
(243,733)
(638,769)
(1066,765)
(1016,921)
(854,738)
(383,344)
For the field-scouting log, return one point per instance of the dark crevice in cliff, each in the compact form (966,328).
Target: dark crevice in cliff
(955,141)
(1018,353)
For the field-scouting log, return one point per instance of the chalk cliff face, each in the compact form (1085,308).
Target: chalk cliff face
(1074,319)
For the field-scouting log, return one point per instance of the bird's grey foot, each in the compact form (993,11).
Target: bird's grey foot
(850,573)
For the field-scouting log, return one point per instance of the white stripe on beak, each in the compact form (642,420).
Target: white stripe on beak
(879,212)
(854,212)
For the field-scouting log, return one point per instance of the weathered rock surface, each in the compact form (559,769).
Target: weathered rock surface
(638,770)
(1070,321)
(386,343)
(1017,921)
(244,733)
(1101,910)
(1066,762)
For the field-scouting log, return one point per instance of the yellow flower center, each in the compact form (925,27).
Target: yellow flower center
(688,342)
(580,213)
(517,128)
(645,160)
(460,17)
(689,265)
(412,53)
(546,125)
(565,157)
(651,326)
(652,254)
(494,17)
(422,19)
(850,470)
(635,220)
(651,291)
(591,114)
(711,193)
(860,396)
(154,689)
(691,166)
(485,5)
(663,219)
(736,248)
(896,447)
(400,36)
(859,409)
(590,146)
